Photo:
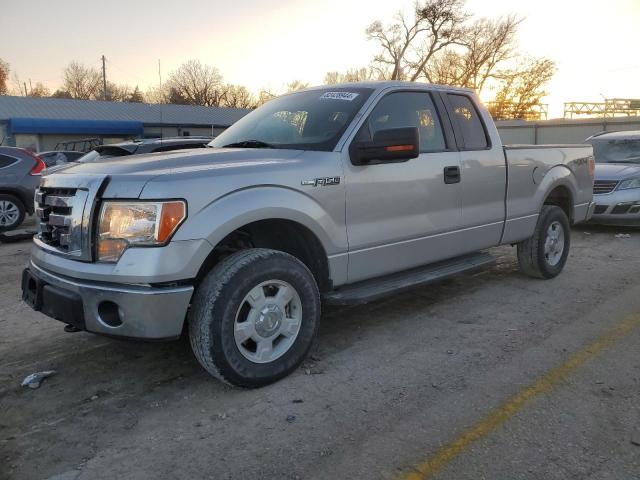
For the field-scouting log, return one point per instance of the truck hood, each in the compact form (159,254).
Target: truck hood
(129,175)
(153,164)
(616,171)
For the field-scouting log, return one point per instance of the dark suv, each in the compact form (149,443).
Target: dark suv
(19,177)
(136,147)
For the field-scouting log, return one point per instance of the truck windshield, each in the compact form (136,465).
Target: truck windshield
(307,120)
(617,151)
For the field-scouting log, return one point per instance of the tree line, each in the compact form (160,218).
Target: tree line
(437,42)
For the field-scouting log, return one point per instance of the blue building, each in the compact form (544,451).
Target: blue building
(42,123)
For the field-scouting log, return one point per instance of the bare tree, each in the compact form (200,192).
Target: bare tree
(118,93)
(156,95)
(264,96)
(4,77)
(522,89)
(353,75)
(238,96)
(60,93)
(194,83)
(296,85)
(486,45)
(39,91)
(136,96)
(82,82)
(408,44)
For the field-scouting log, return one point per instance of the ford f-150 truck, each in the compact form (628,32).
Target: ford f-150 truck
(336,194)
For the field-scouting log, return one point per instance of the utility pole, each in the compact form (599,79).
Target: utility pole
(25,89)
(104,78)
(30,86)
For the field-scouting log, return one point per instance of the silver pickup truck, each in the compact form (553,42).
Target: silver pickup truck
(337,194)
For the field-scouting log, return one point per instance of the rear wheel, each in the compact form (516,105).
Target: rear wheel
(12,212)
(254,317)
(545,253)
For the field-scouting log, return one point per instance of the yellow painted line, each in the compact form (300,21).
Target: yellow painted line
(504,412)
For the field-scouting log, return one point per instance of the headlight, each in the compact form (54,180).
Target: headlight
(125,224)
(630,183)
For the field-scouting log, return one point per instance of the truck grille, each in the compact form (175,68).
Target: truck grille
(65,205)
(55,209)
(604,186)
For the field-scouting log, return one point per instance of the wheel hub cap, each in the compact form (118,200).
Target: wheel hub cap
(269,321)
(554,244)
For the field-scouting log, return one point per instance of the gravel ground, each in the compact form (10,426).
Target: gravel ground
(386,386)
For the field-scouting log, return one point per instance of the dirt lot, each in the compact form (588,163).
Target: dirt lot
(490,375)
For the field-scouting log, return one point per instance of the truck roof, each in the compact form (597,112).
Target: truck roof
(381,84)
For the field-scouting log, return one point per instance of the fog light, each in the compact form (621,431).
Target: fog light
(109,313)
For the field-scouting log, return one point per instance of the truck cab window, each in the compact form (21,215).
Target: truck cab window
(467,118)
(407,109)
(307,120)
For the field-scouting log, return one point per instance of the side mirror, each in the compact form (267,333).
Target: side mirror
(391,145)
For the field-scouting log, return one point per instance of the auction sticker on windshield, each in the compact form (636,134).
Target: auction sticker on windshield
(349,96)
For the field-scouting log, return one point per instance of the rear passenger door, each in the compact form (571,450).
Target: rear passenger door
(483,175)
(400,215)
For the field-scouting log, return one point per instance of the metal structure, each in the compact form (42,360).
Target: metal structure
(611,107)
(514,111)
(82,145)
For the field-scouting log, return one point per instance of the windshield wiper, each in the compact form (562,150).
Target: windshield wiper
(249,144)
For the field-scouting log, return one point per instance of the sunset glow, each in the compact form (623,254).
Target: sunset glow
(266,44)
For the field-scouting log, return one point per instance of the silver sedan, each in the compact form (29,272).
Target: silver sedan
(616,190)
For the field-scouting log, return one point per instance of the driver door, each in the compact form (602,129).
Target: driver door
(399,215)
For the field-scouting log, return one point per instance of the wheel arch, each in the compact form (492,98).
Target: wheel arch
(558,187)
(562,197)
(280,234)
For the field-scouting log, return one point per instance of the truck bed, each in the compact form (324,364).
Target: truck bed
(531,168)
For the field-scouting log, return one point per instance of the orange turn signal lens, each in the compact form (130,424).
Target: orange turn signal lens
(399,148)
(110,249)
(171,215)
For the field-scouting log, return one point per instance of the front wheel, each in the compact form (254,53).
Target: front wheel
(545,253)
(254,317)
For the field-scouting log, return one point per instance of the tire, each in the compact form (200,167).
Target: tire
(12,212)
(227,307)
(540,256)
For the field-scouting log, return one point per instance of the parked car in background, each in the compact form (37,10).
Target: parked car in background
(20,172)
(60,157)
(149,145)
(344,193)
(616,189)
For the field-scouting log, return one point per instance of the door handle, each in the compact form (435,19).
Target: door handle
(452,175)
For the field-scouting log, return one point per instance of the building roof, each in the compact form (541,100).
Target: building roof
(149,114)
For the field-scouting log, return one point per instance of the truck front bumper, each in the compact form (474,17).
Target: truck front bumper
(133,311)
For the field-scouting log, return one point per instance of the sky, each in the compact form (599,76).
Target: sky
(268,43)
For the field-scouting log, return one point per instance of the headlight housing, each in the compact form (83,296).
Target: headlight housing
(126,224)
(629,183)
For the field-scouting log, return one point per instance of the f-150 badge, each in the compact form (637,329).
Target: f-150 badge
(321,182)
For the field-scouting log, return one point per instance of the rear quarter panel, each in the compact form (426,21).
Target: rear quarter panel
(533,172)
